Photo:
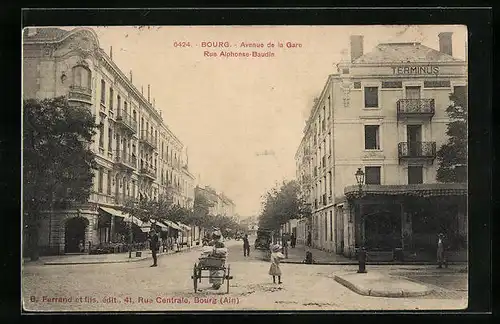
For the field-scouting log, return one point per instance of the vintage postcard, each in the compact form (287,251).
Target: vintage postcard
(171,168)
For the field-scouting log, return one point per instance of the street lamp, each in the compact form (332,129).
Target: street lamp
(360,178)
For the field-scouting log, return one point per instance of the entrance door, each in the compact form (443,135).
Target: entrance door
(414,139)
(74,234)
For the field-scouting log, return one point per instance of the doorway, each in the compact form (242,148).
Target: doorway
(414,139)
(74,234)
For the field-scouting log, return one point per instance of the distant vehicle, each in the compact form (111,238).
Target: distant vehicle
(264,238)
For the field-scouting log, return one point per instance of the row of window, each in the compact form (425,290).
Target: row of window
(172,157)
(399,84)
(414,174)
(144,123)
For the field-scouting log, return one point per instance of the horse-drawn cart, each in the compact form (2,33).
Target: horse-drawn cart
(217,269)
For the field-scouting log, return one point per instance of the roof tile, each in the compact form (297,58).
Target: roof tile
(403,53)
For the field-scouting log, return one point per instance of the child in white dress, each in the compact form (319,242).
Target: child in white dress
(275,270)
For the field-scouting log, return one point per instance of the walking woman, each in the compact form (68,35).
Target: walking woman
(276,257)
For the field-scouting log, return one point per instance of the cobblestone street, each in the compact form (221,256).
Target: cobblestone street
(135,286)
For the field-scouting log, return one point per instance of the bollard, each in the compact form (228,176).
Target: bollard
(362,260)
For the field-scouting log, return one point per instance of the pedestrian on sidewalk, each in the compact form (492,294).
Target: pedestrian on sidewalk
(309,239)
(154,245)
(441,255)
(284,241)
(81,247)
(293,240)
(246,246)
(276,257)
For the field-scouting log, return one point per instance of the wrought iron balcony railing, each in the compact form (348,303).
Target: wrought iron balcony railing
(415,107)
(408,150)
(124,119)
(125,159)
(148,171)
(79,93)
(148,139)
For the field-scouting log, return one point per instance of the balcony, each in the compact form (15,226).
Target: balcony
(148,171)
(148,139)
(124,120)
(415,108)
(417,150)
(126,160)
(102,198)
(80,94)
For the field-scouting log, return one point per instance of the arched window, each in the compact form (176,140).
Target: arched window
(82,76)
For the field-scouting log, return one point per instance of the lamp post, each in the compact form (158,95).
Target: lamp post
(130,237)
(360,178)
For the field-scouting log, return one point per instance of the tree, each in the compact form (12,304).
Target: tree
(57,160)
(452,156)
(282,204)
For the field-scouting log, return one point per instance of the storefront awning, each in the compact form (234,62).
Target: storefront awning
(162,226)
(416,190)
(184,227)
(112,211)
(134,220)
(172,225)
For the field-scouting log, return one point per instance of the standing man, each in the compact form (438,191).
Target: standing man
(154,245)
(309,239)
(284,242)
(293,240)
(246,246)
(441,257)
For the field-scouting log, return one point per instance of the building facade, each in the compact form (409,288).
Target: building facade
(220,204)
(138,156)
(383,112)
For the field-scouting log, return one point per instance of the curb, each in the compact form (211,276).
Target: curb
(368,263)
(380,293)
(115,261)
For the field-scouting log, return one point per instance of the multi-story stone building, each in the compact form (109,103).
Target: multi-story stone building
(383,112)
(137,154)
(220,204)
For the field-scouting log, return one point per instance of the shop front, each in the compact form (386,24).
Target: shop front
(402,222)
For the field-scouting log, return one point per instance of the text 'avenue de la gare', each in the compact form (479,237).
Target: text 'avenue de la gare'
(259,49)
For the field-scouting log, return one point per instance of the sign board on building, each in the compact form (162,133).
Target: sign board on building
(429,69)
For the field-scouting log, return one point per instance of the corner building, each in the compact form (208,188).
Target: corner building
(383,112)
(137,155)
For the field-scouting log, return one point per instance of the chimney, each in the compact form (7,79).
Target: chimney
(142,90)
(445,44)
(149,93)
(111,52)
(130,75)
(32,31)
(356,47)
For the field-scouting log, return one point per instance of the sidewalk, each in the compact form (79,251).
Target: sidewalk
(100,258)
(298,254)
(379,284)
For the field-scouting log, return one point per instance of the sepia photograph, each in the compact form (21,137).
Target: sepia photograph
(194,168)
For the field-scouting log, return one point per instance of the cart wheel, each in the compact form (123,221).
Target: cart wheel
(195,278)
(199,274)
(227,278)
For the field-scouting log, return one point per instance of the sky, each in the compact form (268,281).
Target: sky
(230,111)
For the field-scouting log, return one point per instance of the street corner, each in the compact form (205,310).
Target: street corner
(376,284)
